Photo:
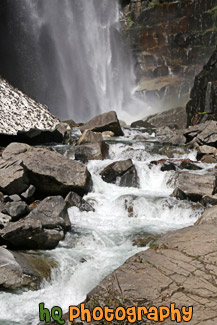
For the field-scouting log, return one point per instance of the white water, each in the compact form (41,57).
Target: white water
(102,240)
(75,51)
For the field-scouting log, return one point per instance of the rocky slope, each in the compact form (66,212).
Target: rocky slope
(171,40)
(19,112)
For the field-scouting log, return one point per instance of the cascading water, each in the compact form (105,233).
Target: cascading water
(70,56)
(101,241)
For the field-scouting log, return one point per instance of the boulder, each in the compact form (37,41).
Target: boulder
(92,151)
(43,228)
(13,177)
(186,164)
(193,186)
(209,216)
(122,173)
(74,200)
(204,135)
(142,124)
(50,172)
(104,122)
(20,270)
(17,210)
(206,150)
(209,159)
(173,118)
(90,137)
(14,198)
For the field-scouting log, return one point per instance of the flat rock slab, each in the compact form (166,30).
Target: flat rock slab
(181,269)
(193,186)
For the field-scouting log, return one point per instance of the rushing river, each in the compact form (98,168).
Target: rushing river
(101,241)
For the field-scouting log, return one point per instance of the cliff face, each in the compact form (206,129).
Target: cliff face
(171,40)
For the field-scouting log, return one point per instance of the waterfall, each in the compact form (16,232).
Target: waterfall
(70,55)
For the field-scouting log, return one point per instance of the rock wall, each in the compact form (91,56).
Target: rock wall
(171,41)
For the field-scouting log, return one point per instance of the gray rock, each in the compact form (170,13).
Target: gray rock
(121,172)
(90,137)
(13,177)
(207,150)
(73,199)
(104,122)
(193,186)
(185,164)
(208,217)
(173,117)
(14,149)
(17,210)
(19,270)
(142,124)
(43,228)
(4,220)
(15,198)
(92,151)
(50,172)
(28,195)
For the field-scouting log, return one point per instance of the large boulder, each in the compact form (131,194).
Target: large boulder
(50,172)
(17,209)
(122,173)
(92,151)
(203,135)
(20,270)
(104,122)
(13,177)
(193,186)
(43,228)
(173,118)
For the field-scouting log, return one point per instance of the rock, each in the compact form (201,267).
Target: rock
(71,123)
(43,228)
(209,216)
(13,177)
(175,116)
(13,150)
(142,124)
(202,105)
(193,186)
(104,122)
(28,195)
(168,166)
(185,164)
(207,150)
(21,112)
(90,137)
(74,200)
(4,220)
(19,270)
(209,199)
(203,134)
(209,159)
(179,268)
(121,172)
(109,134)
(14,198)
(170,136)
(50,172)
(17,210)
(91,151)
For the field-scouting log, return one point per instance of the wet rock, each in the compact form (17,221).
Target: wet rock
(209,199)
(17,210)
(175,116)
(104,122)
(13,177)
(171,136)
(28,195)
(193,186)
(74,200)
(19,270)
(121,172)
(92,151)
(107,134)
(71,123)
(178,268)
(43,228)
(185,164)
(90,137)
(168,166)
(50,172)
(142,124)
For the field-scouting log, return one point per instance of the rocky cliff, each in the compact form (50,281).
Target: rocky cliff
(171,41)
